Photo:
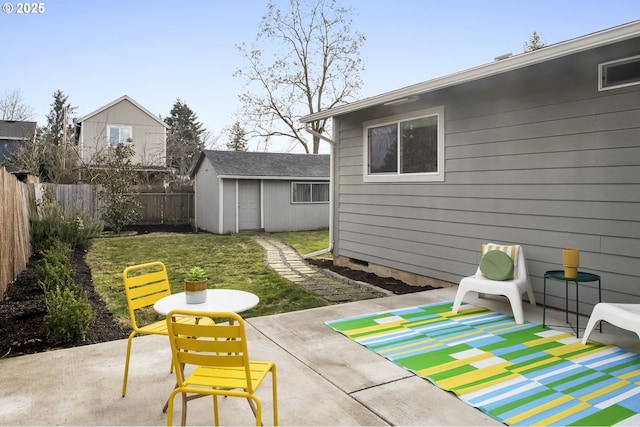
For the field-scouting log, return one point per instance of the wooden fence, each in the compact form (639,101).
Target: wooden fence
(68,196)
(16,198)
(172,205)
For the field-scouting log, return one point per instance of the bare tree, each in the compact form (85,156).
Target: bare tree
(12,107)
(316,66)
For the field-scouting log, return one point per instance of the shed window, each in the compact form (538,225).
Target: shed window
(310,192)
(119,135)
(405,148)
(620,73)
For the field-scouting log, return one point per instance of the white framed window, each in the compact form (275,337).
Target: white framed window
(118,134)
(407,147)
(310,192)
(619,73)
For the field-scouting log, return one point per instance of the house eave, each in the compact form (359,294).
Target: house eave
(276,178)
(580,44)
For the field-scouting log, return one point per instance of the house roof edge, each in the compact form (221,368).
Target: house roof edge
(579,44)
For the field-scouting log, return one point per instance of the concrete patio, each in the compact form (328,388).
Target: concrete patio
(323,377)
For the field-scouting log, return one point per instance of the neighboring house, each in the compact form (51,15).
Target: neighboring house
(13,135)
(540,149)
(123,121)
(239,191)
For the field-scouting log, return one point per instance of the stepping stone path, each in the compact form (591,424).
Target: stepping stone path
(334,288)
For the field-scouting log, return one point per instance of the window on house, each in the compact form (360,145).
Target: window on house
(309,192)
(119,135)
(619,73)
(405,148)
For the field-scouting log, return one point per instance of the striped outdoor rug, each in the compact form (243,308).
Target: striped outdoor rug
(518,374)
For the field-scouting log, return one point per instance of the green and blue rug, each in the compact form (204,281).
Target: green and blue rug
(518,374)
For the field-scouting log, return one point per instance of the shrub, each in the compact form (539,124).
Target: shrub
(69,314)
(79,228)
(45,225)
(122,207)
(76,228)
(54,269)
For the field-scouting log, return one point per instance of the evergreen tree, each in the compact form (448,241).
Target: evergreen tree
(184,138)
(534,43)
(54,132)
(238,138)
(55,146)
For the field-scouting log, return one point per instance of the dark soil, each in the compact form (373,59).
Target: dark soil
(396,286)
(22,327)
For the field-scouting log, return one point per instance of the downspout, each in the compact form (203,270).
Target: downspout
(331,160)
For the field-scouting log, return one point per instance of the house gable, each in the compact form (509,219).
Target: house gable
(126,118)
(117,101)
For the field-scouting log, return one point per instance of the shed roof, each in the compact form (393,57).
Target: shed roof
(548,53)
(17,130)
(245,164)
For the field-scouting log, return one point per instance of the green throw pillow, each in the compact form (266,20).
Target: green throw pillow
(496,265)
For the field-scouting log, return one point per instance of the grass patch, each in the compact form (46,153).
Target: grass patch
(233,262)
(306,242)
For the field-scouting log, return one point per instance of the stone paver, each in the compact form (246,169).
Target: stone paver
(334,288)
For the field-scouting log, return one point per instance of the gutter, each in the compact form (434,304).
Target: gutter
(331,160)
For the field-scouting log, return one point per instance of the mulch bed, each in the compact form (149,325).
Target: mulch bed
(22,327)
(398,287)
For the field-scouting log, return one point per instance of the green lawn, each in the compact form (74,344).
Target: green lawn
(306,242)
(233,262)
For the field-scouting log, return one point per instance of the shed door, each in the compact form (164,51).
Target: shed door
(248,205)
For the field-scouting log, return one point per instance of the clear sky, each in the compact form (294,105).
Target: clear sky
(156,51)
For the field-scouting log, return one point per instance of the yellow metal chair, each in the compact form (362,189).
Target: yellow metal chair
(144,284)
(220,362)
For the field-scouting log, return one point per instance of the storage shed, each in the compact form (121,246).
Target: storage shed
(238,191)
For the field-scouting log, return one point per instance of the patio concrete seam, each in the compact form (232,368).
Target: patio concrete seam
(324,377)
(395,380)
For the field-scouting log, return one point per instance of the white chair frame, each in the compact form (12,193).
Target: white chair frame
(624,316)
(512,289)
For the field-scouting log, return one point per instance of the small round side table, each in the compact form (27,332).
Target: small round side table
(582,277)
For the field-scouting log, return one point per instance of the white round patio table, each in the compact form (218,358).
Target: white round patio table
(217,300)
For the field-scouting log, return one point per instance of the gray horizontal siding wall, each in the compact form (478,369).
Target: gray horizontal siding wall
(537,157)
(282,215)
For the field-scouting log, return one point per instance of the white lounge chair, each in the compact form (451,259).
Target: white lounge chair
(512,289)
(625,316)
